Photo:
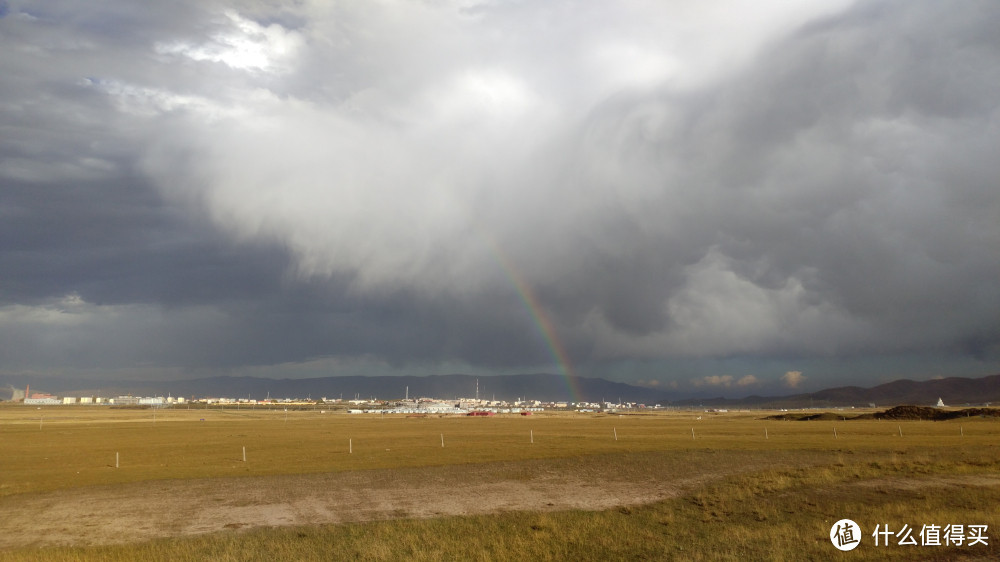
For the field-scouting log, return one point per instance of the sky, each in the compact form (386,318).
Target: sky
(721,197)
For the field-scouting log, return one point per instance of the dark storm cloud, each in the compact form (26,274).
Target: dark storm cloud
(871,185)
(114,241)
(835,197)
(209,186)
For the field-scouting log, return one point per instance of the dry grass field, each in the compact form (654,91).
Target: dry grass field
(322,485)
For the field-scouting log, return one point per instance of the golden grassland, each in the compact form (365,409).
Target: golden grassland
(776,499)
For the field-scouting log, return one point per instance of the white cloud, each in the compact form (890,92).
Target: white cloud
(726,381)
(793,379)
(714,380)
(241,44)
(716,311)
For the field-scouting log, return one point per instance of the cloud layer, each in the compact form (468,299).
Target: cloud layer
(232,186)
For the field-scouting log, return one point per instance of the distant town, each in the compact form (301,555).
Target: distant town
(357,405)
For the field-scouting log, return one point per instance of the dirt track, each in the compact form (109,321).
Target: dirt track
(143,511)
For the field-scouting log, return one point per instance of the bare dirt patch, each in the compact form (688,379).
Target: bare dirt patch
(932,482)
(142,511)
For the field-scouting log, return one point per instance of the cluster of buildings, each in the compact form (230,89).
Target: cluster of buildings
(355,406)
(475,405)
(432,406)
(44,399)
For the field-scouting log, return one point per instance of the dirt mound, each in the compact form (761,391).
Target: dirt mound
(934,414)
(910,413)
(897,413)
(824,416)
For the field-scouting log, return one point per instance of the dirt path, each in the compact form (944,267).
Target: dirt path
(143,511)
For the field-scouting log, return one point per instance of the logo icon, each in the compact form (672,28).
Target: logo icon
(845,535)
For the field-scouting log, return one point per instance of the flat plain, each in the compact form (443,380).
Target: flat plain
(97,483)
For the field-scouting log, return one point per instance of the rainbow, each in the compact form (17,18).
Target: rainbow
(541,319)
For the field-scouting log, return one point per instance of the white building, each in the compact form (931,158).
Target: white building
(441,408)
(47,401)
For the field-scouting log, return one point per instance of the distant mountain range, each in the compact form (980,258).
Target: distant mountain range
(956,391)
